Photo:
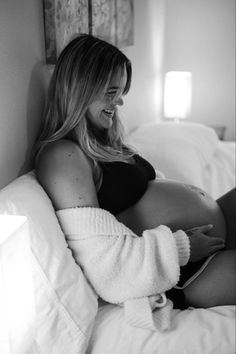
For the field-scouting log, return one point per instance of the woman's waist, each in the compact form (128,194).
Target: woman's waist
(177,205)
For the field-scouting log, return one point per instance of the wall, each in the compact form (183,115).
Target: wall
(21,91)
(200,37)
(143,102)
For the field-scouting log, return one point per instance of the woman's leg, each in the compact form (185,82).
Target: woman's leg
(216,285)
(227,204)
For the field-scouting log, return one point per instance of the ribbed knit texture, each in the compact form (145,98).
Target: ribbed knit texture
(124,268)
(90,221)
(183,246)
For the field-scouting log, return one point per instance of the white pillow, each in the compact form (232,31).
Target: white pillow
(17,305)
(66,305)
(181,151)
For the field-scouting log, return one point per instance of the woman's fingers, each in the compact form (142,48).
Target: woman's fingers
(202,245)
(216,241)
(202,228)
(217,248)
(216,244)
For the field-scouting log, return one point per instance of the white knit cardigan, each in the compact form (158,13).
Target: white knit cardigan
(124,268)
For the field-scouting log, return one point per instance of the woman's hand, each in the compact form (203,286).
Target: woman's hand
(202,245)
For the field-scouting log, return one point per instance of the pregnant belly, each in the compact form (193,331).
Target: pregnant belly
(175,204)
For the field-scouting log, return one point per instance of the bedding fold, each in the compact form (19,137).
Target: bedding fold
(124,268)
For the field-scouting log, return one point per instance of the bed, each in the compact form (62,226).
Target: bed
(66,316)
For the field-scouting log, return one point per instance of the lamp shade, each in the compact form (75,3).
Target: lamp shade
(177,94)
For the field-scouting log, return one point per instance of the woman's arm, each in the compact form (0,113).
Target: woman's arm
(118,264)
(66,175)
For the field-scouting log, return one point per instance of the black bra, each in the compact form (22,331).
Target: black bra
(124,184)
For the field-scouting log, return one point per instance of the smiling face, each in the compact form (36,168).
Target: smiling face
(101,112)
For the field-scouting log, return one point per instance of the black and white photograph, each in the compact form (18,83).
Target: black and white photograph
(117,177)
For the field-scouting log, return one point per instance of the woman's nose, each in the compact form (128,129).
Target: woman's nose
(119,101)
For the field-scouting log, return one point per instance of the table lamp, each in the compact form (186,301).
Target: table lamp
(177,95)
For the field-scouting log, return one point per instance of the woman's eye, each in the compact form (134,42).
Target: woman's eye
(111,93)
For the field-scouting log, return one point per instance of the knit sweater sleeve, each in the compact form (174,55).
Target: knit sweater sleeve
(118,264)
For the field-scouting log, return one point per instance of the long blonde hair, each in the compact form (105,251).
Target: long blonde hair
(82,71)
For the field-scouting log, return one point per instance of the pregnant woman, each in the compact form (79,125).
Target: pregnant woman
(82,161)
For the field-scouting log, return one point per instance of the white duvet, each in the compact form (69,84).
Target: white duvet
(195,331)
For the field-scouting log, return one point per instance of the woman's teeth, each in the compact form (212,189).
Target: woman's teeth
(107,111)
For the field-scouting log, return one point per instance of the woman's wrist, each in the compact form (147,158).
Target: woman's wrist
(183,246)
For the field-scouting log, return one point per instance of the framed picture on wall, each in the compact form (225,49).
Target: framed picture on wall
(62,19)
(103,19)
(111,20)
(124,23)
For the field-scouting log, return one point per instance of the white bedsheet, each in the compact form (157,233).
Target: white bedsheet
(195,331)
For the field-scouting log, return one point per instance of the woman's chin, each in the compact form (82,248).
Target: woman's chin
(106,122)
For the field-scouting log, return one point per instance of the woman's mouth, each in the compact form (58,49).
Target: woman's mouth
(108,112)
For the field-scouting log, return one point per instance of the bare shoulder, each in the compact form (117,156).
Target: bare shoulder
(60,155)
(66,175)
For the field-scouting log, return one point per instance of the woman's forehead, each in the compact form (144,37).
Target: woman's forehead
(118,79)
